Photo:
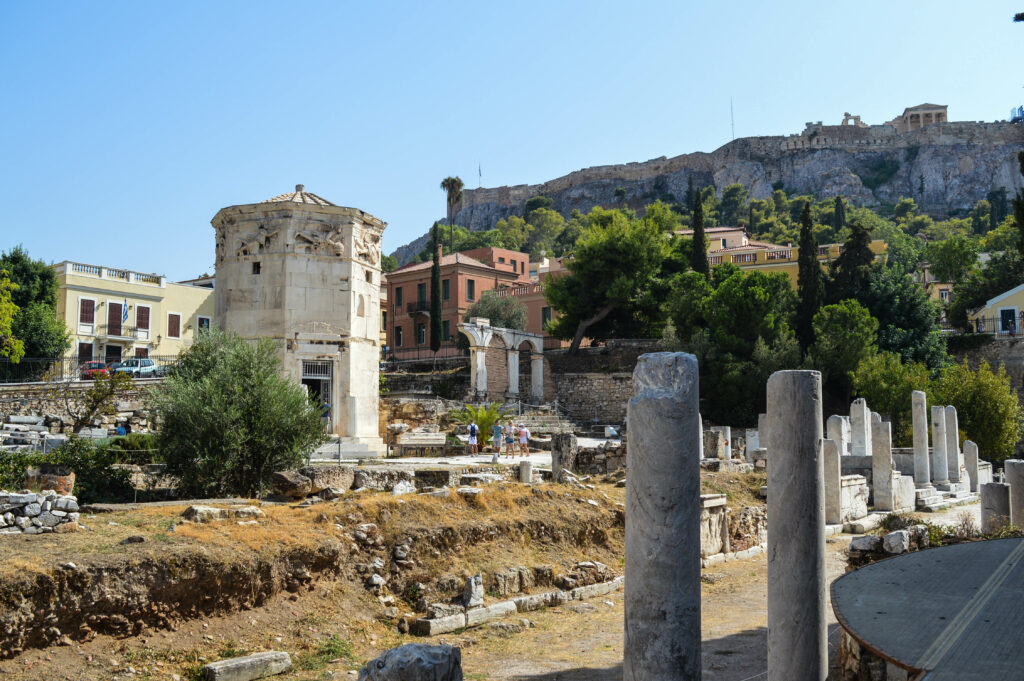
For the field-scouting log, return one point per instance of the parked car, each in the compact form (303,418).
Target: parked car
(112,366)
(90,370)
(166,369)
(138,368)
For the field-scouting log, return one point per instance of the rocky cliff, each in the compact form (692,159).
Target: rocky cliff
(946,168)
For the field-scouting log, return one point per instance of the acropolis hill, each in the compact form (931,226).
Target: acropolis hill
(946,167)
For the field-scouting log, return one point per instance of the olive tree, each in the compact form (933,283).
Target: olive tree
(228,417)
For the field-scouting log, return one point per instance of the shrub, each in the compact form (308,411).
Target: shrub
(136,448)
(96,480)
(229,418)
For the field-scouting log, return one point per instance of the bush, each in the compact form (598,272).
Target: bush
(136,448)
(967,341)
(229,418)
(987,407)
(96,480)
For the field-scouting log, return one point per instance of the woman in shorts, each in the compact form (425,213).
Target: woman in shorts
(510,440)
(524,440)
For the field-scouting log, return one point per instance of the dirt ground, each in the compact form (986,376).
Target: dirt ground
(333,629)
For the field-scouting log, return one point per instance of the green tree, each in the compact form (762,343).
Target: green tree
(435,293)
(845,334)
(535,203)
(908,322)
(545,227)
(1000,207)
(809,281)
(388,263)
(620,194)
(44,334)
(229,418)
(987,407)
(10,347)
(453,191)
(981,217)
(36,323)
(1003,272)
(485,416)
(37,281)
(699,251)
(733,204)
(506,312)
(851,271)
(100,399)
(838,214)
(952,259)
(905,209)
(886,382)
(612,283)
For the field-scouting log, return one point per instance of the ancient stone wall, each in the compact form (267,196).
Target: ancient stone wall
(38,399)
(497,370)
(594,397)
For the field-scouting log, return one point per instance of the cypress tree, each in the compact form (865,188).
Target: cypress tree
(851,271)
(699,253)
(435,293)
(809,288)
(839,214)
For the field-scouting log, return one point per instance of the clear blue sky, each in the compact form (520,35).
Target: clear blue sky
(127,125)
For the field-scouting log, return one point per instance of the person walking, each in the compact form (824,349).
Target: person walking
(325,416)
(496,439)
(524,440)
(509,440)
(473,432)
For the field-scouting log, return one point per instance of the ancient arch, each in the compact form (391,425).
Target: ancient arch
(481,336)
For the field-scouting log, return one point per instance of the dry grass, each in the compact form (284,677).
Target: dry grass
(740,489)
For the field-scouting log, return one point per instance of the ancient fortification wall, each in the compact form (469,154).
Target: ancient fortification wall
(945,167)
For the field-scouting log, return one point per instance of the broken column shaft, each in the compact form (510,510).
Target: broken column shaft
(663,521)
(797,635)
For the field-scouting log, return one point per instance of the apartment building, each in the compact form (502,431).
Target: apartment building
(114,314)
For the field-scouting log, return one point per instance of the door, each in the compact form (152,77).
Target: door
(114,319)
(113,354)
(1006,321)
(84,352)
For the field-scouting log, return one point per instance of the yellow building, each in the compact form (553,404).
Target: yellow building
(114,314)
(731,245)
(1001,315)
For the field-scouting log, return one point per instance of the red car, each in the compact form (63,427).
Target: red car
(90,370)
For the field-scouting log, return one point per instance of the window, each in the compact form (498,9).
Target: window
(86,311)
(173,325)
(85,352)
(522,266)
(501,260)
(421,293)
(545,316)
(398,297)
(369,276)
(421,334)
(470,289)
(114,318)
(446,289)
(446,330)
(256,268)
(142,353)
(514,266)
(398,336)
(142,317)
(383,320)
(360,307)
(944,295)
(203,323)
(723,243)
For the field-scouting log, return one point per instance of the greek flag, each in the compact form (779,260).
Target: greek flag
(124,311)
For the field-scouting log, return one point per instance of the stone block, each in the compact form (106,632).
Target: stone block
(477,616)
(473,593)
(867,543)
(32,510)
(324,477)
(415,662)
(255,666)
(441,625)
(896,542)
(291,484)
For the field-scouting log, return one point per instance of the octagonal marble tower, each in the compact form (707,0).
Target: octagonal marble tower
(306,273)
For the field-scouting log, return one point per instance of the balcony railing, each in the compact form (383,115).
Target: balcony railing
(418,306)
(744,258)
(784,254)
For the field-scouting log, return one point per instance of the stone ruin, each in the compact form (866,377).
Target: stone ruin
(27,512)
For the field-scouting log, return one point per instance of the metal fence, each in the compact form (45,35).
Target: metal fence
(32,369)
(1004,325)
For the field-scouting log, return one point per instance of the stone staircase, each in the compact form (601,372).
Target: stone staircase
(544,422)
(932,498)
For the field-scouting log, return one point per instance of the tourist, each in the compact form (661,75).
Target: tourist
(524,440)
(473,431)
(325,415)
(496,441)
(121,432)
(509,440)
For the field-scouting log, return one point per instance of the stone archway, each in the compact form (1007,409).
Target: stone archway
(483,338)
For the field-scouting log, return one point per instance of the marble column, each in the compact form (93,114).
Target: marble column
(663,627)
(833,482)
(919,414)
(939,468)
(995,505)
(953,462)
(881,464)
(860,428)
(1014,471)
(971,463)
(525,472)
(753,440)
(512,355)
(838,428)
(797,640)
(478,369)
(537,377)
